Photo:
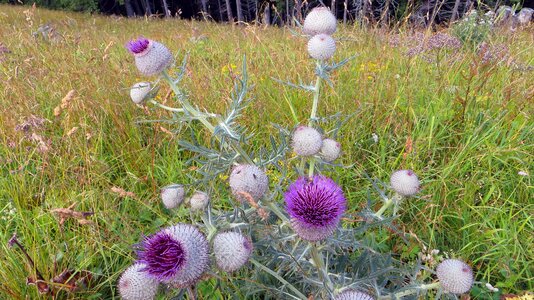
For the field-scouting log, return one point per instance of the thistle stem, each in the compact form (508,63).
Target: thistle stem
(384,207)
(277,276)
(409,292)
(156,103)
(319,264)
(187,107)
(312,166)
(316,93)
(276,210)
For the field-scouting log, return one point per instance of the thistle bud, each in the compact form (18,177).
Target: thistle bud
(199,201)
(320,20)
(135,284)
(455,276)
(405,182)
(139,92)
(330,150)
(353,295)
(172,195)
(232,250)
(321,46)
(248,179)
(306,141)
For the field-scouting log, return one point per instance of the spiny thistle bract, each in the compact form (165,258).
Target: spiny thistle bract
(330,150)
(405,182)
(172,195)
(455,276)
(135,284)
(315,206)
(151,57)
(139,92)
(321,46)
(199,201)
(177,255)
(353,295)
(306,141)
(232,250)
(248,179)
(320,20)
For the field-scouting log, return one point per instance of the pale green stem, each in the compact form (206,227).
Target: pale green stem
(386,205)
(316,93)
(319,264)
(312,166)
(156,103)
(202,117)
(276,210)
(277,276)
(409,292)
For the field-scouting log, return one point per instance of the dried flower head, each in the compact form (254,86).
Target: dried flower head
(151,57)
(321,46)
(135,284)
(199,201)
(306,141)
(330,150)
(249,179)
(172,195)
(315,206)
(455,276)
(405,182)
(353,295)
(139,92)
(320,20)
(177,255)
(232,250)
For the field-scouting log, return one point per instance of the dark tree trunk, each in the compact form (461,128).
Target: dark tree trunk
(129,9)
(139,10)
(239,11)
(455,11)
(148,8)
(345,9)
(167,12)
(229,11)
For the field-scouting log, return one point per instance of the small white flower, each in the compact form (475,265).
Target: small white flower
(491,288)
(375,137)
(522,173)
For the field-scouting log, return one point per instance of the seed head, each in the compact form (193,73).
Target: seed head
(330,150)
(172,195)
(232,250)
(177,255)
(321,46)
(139,92)
(135,284)
(455,276)
(306,141)
(320,20)
(199,201)
(353,295)
(151,57)
(405,182)
(315,206)
(249,179)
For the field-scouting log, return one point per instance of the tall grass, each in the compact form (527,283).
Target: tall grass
(463,126)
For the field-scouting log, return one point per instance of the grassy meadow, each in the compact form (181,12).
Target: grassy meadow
(464,126)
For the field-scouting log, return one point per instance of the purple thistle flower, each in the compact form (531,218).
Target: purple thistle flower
(151,57)
(315,206)
(138,46)
(177,255)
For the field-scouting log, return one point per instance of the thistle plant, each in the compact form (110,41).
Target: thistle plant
(283,238)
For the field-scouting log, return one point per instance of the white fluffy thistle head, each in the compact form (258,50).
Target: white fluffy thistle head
(455,276)
(172,195)
(248,179)
(353,295)
(135,284)
(306,141)
(330,150)
(320,20)
(321,46)
(232,250)
(199,201)
(405,182)
(139,92)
